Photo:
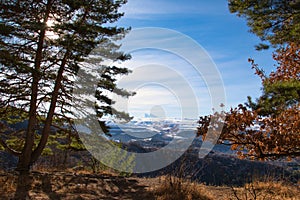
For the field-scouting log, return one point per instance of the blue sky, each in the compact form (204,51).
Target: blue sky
(223,35)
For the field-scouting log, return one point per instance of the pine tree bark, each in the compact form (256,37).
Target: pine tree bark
(23,186)
(25,159)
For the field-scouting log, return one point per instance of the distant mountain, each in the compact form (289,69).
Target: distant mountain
(150,115)
(156,133)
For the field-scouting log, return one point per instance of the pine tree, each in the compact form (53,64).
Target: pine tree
(43,44)
(277,22)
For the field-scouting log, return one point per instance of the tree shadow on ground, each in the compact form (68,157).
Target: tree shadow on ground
(57,186)
(46,187)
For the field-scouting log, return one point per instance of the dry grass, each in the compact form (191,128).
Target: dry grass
(80,169)
(7,185)
(178,189)
(84,185)
(267,190)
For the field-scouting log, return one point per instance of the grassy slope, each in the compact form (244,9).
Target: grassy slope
(70,185)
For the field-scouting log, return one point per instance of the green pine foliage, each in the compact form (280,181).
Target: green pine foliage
(276,97)
(277,22)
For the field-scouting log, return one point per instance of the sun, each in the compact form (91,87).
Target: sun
(49,33)
(50,23)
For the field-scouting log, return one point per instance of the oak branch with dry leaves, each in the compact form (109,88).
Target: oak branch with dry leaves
(268,128)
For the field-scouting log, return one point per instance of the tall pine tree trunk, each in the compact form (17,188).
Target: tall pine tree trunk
(23,186)
(25,159)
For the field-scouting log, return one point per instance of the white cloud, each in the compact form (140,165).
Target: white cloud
(160,67)
(143,9)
